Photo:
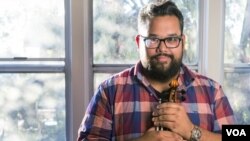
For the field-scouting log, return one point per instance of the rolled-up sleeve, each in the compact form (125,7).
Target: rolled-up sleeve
(97,122)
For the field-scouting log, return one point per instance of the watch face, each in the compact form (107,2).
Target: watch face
(196,134)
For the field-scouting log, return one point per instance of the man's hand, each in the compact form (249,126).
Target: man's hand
(152,135)
(174,117)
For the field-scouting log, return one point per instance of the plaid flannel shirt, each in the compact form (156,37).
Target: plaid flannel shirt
(122,106)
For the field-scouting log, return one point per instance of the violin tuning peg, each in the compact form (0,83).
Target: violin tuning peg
(183,91)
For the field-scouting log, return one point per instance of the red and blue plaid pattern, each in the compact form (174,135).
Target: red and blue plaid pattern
(122,107)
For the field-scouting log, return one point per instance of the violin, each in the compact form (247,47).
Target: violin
(172,95)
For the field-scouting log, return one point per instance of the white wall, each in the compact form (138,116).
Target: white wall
(213,32)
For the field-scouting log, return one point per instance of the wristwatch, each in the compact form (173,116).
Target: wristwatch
(195,134)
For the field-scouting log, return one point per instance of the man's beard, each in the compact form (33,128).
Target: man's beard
(160,71)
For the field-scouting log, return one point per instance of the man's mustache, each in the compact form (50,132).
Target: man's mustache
(162,54)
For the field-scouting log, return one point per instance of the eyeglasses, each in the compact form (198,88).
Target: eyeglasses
(170,42)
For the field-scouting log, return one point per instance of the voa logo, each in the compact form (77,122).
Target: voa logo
(236,132)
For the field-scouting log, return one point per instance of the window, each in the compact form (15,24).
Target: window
(114,31)
(237,57)
(33,71)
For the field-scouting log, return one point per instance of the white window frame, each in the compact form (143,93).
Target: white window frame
(65,68)
(212,55)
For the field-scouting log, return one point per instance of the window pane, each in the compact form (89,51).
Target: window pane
(32,28)
(115,30)
(237,88)
(32,107)
(237,56)
(100,77)
(237,31)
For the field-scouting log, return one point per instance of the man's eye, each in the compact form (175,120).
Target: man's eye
(172,39)
(154,40)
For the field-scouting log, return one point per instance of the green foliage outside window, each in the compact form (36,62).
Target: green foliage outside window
(115,28)
(237,57)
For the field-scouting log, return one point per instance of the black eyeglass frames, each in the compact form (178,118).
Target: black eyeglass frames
(154,42)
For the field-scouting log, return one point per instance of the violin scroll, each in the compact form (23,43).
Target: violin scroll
(173,96)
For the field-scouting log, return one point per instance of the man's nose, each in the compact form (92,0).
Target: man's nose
(162,46)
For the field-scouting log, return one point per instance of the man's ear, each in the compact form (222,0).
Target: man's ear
(137,39)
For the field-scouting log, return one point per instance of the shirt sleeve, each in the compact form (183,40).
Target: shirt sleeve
(223,111)
(97,122)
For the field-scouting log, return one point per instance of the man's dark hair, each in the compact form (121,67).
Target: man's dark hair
(165,7)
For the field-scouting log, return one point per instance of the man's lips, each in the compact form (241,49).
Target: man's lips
(163,58)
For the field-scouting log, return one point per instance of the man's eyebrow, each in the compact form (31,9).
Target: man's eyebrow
(174,34)
(169,35)
(152,35)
